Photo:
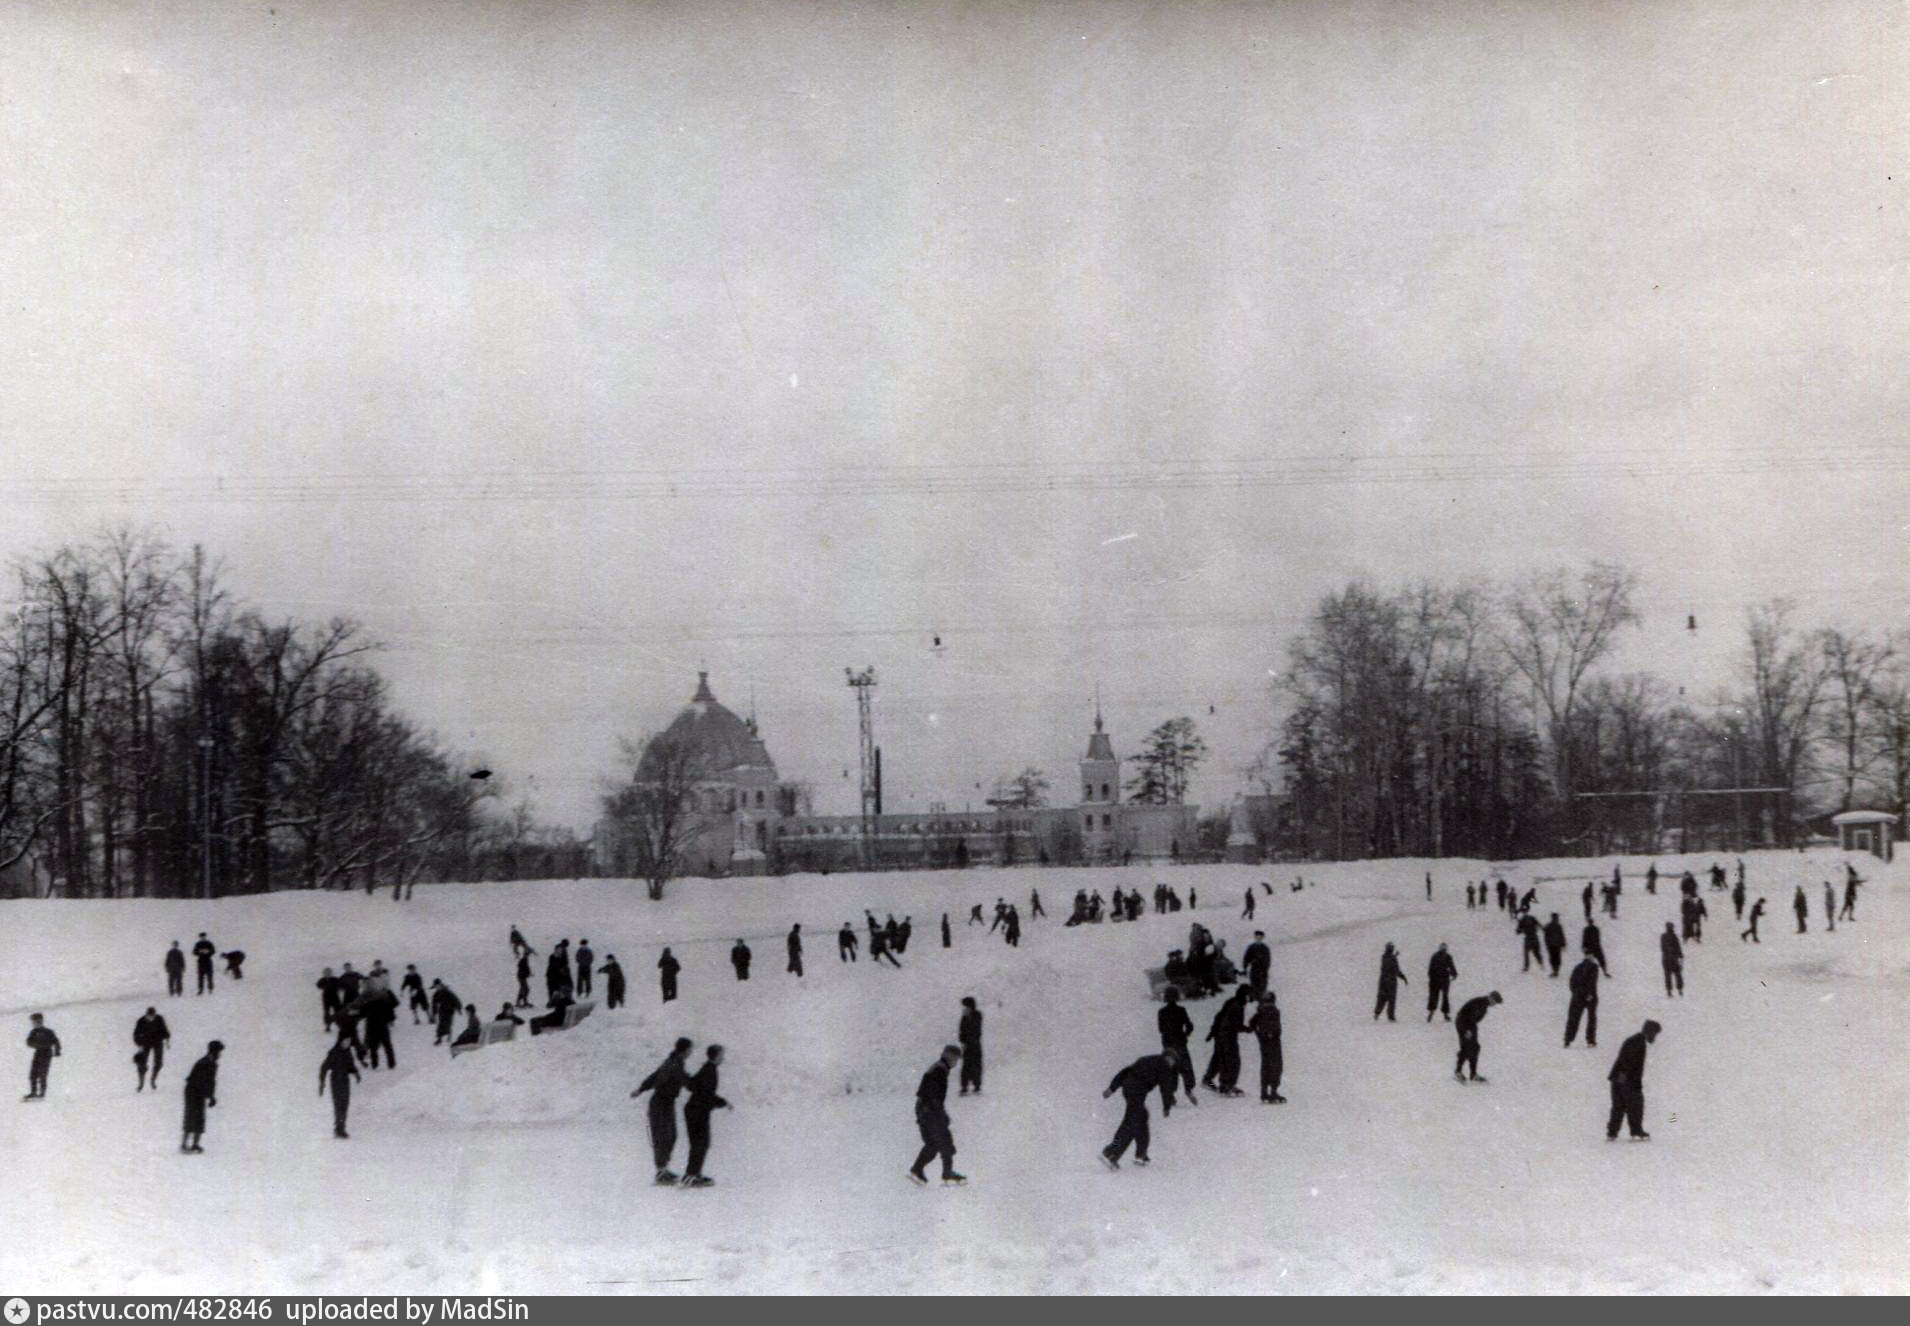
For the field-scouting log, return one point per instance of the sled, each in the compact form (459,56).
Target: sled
(1158,985)
(492,1034)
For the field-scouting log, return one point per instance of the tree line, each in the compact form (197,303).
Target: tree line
(159,738)
(1484,720)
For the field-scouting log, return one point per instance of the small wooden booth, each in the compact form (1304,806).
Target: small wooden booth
(1872,831)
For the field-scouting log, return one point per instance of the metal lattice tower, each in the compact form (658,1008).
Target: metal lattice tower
(863,684)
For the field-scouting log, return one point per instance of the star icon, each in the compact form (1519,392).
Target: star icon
(17,1311)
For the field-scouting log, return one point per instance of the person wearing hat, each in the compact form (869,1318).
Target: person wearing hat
(1628,1084)
(968,1035)
(202,1093)
(1471,1013)
(1266,1030)
(931,1120)
(203,952)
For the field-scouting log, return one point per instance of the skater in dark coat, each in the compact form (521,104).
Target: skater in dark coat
(667,968)
(1266,1031)
(1851,881)
(1750,932)
(235,964)
(931,1120)
(1034,905)
(968,1035)
(948,940)
(203,953)
(975,915)
(906,931)
(612,972)
(519,948)
(1390,977)
(1257,962)
(1471,1013)
(1592,944)
(557,971)
(739,959)
(586,966)
(473,1033)
(1691,913)
(1555,941)
(1671,954)
(1830,906)
(846,943)
(202,1093)
(1737,899)
(381,1010)
(669,1078)
(1529,946)
(444,1010)
(1223,1069)
(1584,1004)
(794,944)
(879,946)
(45,1044)
(151,1036)
(1440,974)
(701,1102)
(1628,1084)
(523,980)
(175,970)
(1175,1028)
(1246,913)
(349,982)
(1802,908)
(1011,930)
(1651,878)
(415,997)
(1148,1073)
(338,1071)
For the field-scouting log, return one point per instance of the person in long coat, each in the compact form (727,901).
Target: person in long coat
(202,1093)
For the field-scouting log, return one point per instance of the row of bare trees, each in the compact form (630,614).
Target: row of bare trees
(1483,720)
(162,739)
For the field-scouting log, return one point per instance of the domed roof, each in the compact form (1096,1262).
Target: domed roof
(721,742)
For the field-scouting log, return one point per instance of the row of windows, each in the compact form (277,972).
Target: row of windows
(1087,792)
(917,827)
(1107,822)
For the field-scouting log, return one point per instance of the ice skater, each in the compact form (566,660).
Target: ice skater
(1555,941)
(1851,881)
(1440,974)
(175,970)
(151,1036)
(202,1094)
(1672,955)
(1148,1073)
(338,1071)
(969,1035)
(1176,1027)
(667,968)
(416,1000)
(1471,1013)
(931,1120)
(739,959)
(45,1044)
(698,1105)
(1390,979)
(586,967)
(663,1084)
(1529,942)
(1584,984)
(1230,1021)
(1802,908)
(846,942)
(203,952)
(1628,1085)
(1750,931)
(1592,944)
(523,980)
(1266,1031)
(794,945)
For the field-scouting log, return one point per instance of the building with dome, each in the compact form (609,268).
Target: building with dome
(749,822)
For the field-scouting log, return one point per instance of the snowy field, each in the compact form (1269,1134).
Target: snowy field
(1776,1098)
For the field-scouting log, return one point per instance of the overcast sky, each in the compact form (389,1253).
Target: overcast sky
(572,347)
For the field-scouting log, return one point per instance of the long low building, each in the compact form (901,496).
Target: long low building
(746,821)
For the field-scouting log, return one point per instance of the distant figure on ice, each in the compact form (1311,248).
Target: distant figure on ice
(1257,962)
(1428,887)
(1148,1073)
(444,1010)
(1469,896)
(931,1120)
(1529,950)
(1671,955)
(1737,899)
(1610,901)
(586,963)
(1692,911)
(1585,900)
(45,1044)
(1034,904)
(338,1070)
(1499,892)
(381,1010)
(415,998)
(794,945)
(473,1033)
(900,935)
(697,1108)
(613,981)
(1471,1013)
(151,1036)
(1717,875)
(235,964)
(663,1084)
(1592,945)
(1390,977)
(523,980)
(1851,881)
(202,953)
(1555,941)
(948,940)
(1246,913)
(1230,1021)
(975,915)
(1175,1027)
(557,971)
(1266,1031)
(1193,901)
(1802,908)
(519,948)
(879,947)
(1440,974)
(202,1093)
(1651,878)
(968,1035)
(330,997)
(1001,915)
(175,970)
(1011,931)
(1830,906)
(1584,1002)
(739,959)
(1750,932)
(667,968)
(349,982)
(1628,1084)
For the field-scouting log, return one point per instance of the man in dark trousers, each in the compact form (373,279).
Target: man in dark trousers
(846,942)
(1223,1069)
(1830,906)
(931,1120)
(1628,1084)
(349,982)
(1851,881)
(45,1044)
(1440,974)
(667,968)
(1148,1073)
(1428,887)
(1672,955)
(1585,900)
(1584,1004)
(202,1093)
(151,1036)
(203,952)
(1246,912)
(968,1035)
(557,971)
(1529,942)
(175,970)
(613,982)
(1034,904)
(794,943)
(1592,944)
(669,1078)
(1802,908)
(879,945)
(338,1070)
(586,966)
(1266,1030)
(697,1108)
(1555,941)
(1471,1013)
(1691,913)
(1390,977)
(1175,1027)
(444,1010)
(1750,932)
(948,940)
(1011,930)
(381,1010)
(1257,962)
(974,915)
(1737,899)
(1651,878)
(739,959)
(415,998)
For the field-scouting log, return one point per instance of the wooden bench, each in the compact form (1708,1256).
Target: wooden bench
(492,1034)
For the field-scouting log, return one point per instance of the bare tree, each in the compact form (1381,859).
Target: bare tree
(1784,677)
(655,817)
(1855,664)
(1559,630)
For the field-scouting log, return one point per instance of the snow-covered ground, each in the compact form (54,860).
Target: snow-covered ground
(1776,1098)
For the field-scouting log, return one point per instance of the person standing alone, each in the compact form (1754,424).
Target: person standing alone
(339,1070)
(175,970)
(45,1044)
(931,1120)
(1440,974)
(1628,1084)
(1390,977)
(969,1035)
(151,1036)
(202,1093)
(203,953)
